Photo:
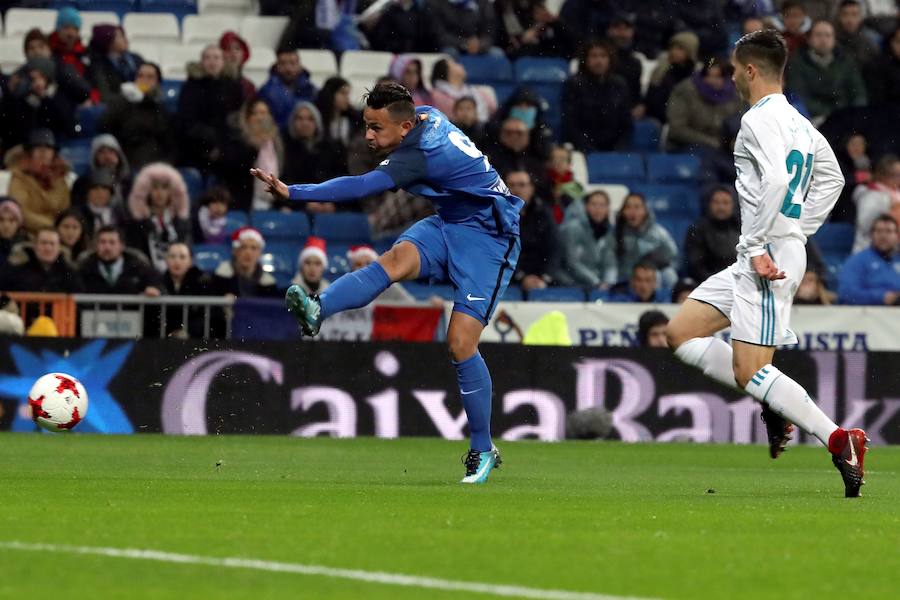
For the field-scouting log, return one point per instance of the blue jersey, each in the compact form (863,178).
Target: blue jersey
(439,162)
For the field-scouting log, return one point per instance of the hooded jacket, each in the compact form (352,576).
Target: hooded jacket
(696,113)
(647,242)
(310,161)
(281,97)
(121,173)
(825,88)
(589,260)
(40,201)
(147,233)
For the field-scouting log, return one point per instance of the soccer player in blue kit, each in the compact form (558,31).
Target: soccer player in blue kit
(472,241)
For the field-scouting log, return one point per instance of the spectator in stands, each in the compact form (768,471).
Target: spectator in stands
(812,290)
(589,243)
(586,19)
(41,267)
(857,169)
(38,180)
(752,24)
(254,143)
(563,187)
(288,84)
(114,269)
(710,243)
(513,152)
(531,29)
(596,104)
(160,212)
(641,288)
(540,242)
(883,74)
(699,106)
(652,330)
(448,84)
(236,53)
(403,26)
(627,65)
(880,196)
(100,206)
(361,257)
(106,155)
(673,66)
(311,265)
(308,156)
(243,275)
(706,18)
(824,77)
(465,116)
(407,70)
(212,216)
(35,102)
(303,30)
(111,63)
(872,275)
(70,224)
(852,35)
(683,288)
(528,107)
(341,122)
(65,42)
(794,24)
(183,278)
(206,100)
(639,238)
(11,232)
(71,84)
(463,26)
(139,120)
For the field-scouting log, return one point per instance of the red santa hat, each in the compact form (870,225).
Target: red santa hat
(315,247)
(243,234)
(361,251)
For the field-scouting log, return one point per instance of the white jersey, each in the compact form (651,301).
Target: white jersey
(788,178)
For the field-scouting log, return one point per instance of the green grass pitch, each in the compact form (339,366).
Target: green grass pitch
(607,518)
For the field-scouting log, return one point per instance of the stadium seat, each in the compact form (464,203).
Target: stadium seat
(545,70)
(171,88)
(669,199)
(347,227)
(280,260)
(321,64)
(208,256)
(614,167)
(235,219)
(672,168)
(557,294)
(677,227)
(258,66)
(645,136)
(274,224)
(487,69)
(836,238)
(428,60)
(358,87)
(149,51)
(20,20)
(237,8)
(263,31)
(120,7)
(152,27)
(362,63)
(194,182)
(77,153)
(86,119)
(11,55)
(207,29)
(89,18)
(551,93)
(579,167)
(176,8)
(175,58)
(5,177)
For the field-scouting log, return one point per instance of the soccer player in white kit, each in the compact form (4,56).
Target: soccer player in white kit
(788,180)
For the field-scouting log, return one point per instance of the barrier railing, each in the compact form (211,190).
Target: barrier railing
(111,315)
(59,307)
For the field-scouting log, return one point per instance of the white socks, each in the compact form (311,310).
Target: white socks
(711,355)
(788,398)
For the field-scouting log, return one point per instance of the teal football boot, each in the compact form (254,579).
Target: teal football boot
(305,308)
(480,464)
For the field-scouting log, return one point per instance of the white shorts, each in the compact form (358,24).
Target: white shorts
(759,309)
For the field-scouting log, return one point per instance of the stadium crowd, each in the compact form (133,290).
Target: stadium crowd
(166,178)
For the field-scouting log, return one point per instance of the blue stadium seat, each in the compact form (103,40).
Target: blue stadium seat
(673,168)
(280,259)
(598,296)
(667,199)
(86,119)
(276,225)
(487,69)
(513,294)
(77,153)
(615,167)
(677,228)
(547,70)
(170,91)
(349,228)
(179,8)
(120,7)
(503,91)
(194,182)
(836,238)
(833,263)
(235,219)
(208,256)
(645,136)
(557,294)
(552,95)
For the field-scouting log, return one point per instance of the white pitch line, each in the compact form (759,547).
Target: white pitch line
(282,567)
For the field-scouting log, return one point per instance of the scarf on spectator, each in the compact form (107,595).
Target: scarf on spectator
(711,95)
(213,228)
(102,215)
(821,60)
(160,236)
(600,229)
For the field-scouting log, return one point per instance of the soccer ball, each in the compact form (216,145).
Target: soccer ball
(58,402)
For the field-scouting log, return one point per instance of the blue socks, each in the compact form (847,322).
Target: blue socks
(476,391)
(354,290)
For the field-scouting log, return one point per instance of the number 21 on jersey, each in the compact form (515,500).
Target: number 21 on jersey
(800,173)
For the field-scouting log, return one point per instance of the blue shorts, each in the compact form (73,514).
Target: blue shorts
(477,263)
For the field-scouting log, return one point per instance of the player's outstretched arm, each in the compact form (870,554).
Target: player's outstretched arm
(340,189)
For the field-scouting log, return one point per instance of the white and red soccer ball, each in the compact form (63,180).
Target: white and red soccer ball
(58,402)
